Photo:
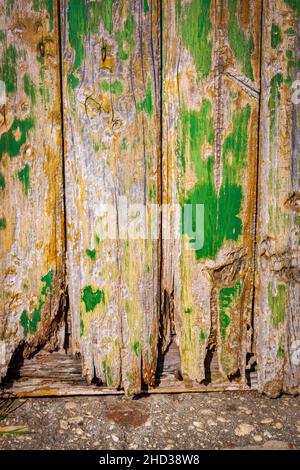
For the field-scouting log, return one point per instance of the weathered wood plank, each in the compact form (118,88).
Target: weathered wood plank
(59,374)
(31,188)
(277,290)
(210,127)
(112,149)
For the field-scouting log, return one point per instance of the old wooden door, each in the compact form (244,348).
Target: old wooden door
(137,107)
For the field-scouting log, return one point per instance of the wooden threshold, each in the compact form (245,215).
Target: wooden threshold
(59,374)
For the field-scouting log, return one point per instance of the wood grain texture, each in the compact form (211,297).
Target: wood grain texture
(277,318)
(31,189)
(211,71)
(112,150)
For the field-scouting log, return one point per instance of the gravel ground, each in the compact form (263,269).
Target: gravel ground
(187,421)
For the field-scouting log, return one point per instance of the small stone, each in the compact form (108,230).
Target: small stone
(221,419)
(76,420)
(257,438)
(71,405)
(197,424)
(148,423)
(115,438)
(267,421)
(63,424)
(210,422)
(243,429)
(278,425)
(79,431)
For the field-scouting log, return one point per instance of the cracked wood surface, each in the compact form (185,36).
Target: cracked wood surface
(277,321)
(31,191)
(112,137)
(211,72)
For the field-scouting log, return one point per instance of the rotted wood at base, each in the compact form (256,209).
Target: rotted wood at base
(59,374)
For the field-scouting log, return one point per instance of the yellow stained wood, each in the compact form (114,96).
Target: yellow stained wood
(31,190)
(111,106)
(210,126)
(277,322)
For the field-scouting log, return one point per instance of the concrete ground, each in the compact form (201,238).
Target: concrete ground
(228,420)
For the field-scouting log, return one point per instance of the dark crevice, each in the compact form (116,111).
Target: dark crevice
(257,187)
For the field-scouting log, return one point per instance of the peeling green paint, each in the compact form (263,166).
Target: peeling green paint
(188,310)
(277,304)
(2,181)
(30,324)
(136,348)
(227,300)
(92,298)
(274,100)
(124,38)
(48,280)
(115,88)
(9,7)
(147,104)
(103,10)
(221,213)
(39,5)
(8,70)
(24,177)
(202,336)
(276,37)
(146,7)
(78,28)
(81,325)
(196,30)
(8,142)
(91,254)
(241,44)
(2,223)
(280,351)
(107,372)
(29,88)
(295,5)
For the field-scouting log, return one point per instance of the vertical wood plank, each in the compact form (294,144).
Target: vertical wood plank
(112,150)
(210,108)
(31,186)
(278,292)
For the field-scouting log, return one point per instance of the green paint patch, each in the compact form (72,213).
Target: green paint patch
(24,177)
(9,143)
(295,5)
(92,298)
(276,37)
(202,337)
(8,70)
(48,280)
(9,7)
(39,5)
(124,38)
(146,7)
(124,143)
(194,24)
(277,304)
(221,213)
(29,88)
(136,348)
(2,181)
(227,299)
(280,351)
(2,223)
(147,104)
(115,88)
(188,310)
(91,254)
(98,239)
(274,100)
(290,32)
(78,29)
(81,325)
(107,372)
(242,45)
(28,323)
(100,10)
